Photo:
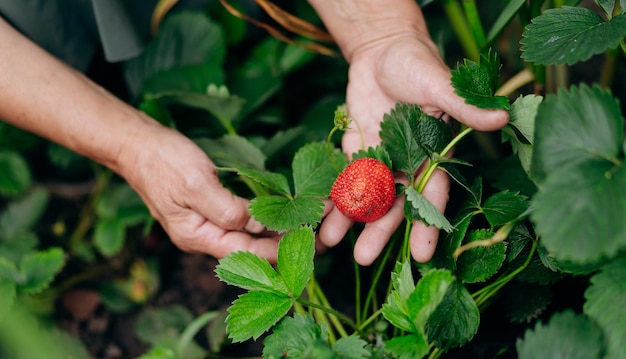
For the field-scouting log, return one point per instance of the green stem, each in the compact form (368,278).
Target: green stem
(319,294)
(370,319)
(377,274)
(332,312)
(88,212)
(473,19)
(357,283)
(432,166)
(461,29)
(482,295)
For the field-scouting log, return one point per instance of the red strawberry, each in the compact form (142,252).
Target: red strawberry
(365,190)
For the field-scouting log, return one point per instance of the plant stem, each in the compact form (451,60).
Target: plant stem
(371,318)
(481,296)
(514,83)
(332,312)
(357,283)
(377,274)
(88,212)
(473,18)
(432,166)
(461,29)
(319,294)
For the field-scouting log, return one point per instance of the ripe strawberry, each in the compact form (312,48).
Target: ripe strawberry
(364,191)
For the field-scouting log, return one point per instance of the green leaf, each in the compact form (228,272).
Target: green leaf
(109,235)
(282,214)
(40,268)
(604,303)
(185,38)
(567,335)
(153,324)
(578,211)
(293,336)
(503,207)
(477,82)
(274,181)
(412,346)
(395,309)
(217,101)
(576,126)
(428,294)
(504,18)
(606,6)
(157,111)
(398,139)
(9,270)
(187,79)
(7,295)
(16,247)
(22,214)
(525,302)
(351,347)
(427,211)
(480,263)
(295,259)
(433,135)
(520,130)
(233,151)
(579,150)
(253,313)
(246,270)
(158,353)
(314,171)
(378,153)
(568,35)
(16,176)
(456,319)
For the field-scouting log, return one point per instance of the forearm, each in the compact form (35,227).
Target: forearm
(41,94)
(358,24)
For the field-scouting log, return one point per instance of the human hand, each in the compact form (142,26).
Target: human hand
(178,183)
(404,68)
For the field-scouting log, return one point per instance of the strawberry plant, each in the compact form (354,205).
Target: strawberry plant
(535,215)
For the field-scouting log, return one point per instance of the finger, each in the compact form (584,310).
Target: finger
(201,236)
(423,240)
(376,234)
(220,206)
(334,228)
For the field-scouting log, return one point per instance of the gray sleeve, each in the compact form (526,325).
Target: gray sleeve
(64,28)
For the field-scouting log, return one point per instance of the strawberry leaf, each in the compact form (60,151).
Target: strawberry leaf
(248,271)
(7,295)
(16,176)
(40,268)
(351,347)
(283,214)
(456,319)
(378,153)
(582,335)
(504,206)
(395,309)
(295,259)
(398,139)
(604,298)
(314,171)
(274,181)
(294,336)
(520,130)
(408,346)
(253,313)
(426,211)
(21,214)
(233,151)
(578,163)
(477,82)
(480,263)
(568,35)
(428,294)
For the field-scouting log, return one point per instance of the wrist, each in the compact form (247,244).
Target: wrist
(359,25)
